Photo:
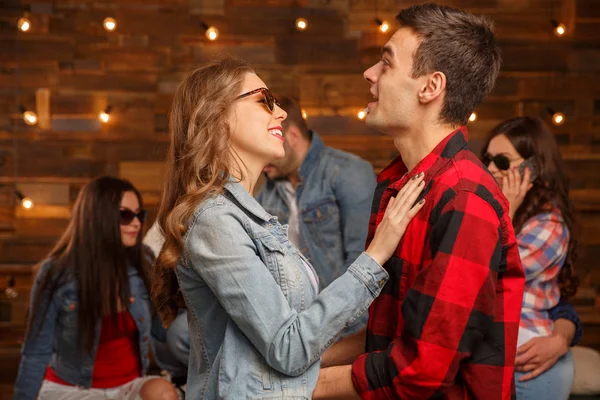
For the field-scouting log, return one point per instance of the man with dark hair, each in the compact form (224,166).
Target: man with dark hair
(324,195)
(445,324)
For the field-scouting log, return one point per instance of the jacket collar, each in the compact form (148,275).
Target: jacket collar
(245,200)
(312,156)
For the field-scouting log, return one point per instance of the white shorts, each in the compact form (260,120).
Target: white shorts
(128,391)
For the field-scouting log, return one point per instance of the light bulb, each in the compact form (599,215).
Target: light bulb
(30,117)
(304,114)
(104,116)
(472,117)
(560,30)
(27,203)
(24,24)
(212,33)
(384,26)
(361,114)
(558,118)
(301,24)
(110,24)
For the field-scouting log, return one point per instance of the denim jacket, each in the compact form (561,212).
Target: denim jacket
(334,199)
(54,340)
(257,326)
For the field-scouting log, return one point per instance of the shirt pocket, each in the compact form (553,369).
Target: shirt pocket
(323,222)
(283,264)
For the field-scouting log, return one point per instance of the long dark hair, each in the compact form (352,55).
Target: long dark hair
(91,253)
(532,137)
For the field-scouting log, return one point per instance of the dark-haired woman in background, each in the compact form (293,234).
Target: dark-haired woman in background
(87,336)
(523,156)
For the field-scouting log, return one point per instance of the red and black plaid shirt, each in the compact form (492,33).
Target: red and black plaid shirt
(445,324)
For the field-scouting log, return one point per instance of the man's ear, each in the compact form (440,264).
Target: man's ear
(434,87)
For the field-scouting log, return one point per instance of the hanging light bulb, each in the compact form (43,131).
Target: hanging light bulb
(26,202)
(211,32)
(104,115)
(24,24)
(301,24)
(559,28)
(304,114)
(110,24)
(29,117)
(558,118)
(384,26)
(473,117)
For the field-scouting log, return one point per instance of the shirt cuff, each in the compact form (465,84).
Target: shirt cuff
(370,273)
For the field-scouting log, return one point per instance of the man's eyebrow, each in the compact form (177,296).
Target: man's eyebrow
(387,50)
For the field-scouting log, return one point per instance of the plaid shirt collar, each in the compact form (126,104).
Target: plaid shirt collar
(442,154)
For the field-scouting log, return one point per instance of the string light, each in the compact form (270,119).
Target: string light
(304,114)
(361,114)
(211,32)
(105,114)
(559,28)
(558,118)
(301,24)
(384,26)
(24,24)
(473,117)
(29,117)
(110,24)
(26,202)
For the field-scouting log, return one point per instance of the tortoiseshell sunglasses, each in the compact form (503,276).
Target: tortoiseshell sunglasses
(270,100)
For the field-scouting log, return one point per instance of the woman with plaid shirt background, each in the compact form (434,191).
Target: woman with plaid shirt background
(522,154)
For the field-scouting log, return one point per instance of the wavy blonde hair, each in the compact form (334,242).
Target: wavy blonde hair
(198,165)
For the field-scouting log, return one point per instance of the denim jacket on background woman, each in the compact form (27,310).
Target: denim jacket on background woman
(54,339)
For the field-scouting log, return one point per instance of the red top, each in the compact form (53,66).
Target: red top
(445,324)
(118,356)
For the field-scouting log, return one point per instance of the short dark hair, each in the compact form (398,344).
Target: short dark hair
(463,47)
(294,115)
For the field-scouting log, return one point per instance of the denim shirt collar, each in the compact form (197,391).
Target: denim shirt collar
(245,200)
(312,156)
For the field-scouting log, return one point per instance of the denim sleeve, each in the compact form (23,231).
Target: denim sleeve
(564,310)
(354,186)
(37,348)
(222,253)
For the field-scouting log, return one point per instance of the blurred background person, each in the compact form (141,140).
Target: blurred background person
(89,324)
(324,195)
(523,156)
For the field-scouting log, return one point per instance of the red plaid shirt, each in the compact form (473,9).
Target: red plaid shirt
(445,324)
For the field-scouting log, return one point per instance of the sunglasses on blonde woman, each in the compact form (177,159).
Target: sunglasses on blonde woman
(270,100)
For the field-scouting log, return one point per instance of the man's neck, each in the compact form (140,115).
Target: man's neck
(414,145)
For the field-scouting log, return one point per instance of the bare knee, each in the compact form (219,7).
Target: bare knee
(158,389)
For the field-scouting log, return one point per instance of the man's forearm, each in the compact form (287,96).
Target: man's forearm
(345,351)
(335,383)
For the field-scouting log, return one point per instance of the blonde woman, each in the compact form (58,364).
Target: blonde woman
(258,325)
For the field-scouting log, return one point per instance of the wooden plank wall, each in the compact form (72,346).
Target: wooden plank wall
(68,69)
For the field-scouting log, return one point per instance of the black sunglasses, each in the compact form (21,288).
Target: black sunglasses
(127,216)
(270,100)
(500,160)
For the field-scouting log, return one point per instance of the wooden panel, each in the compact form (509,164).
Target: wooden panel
(137,68)
(144,175)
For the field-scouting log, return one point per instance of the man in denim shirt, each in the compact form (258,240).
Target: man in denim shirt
(323,194)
